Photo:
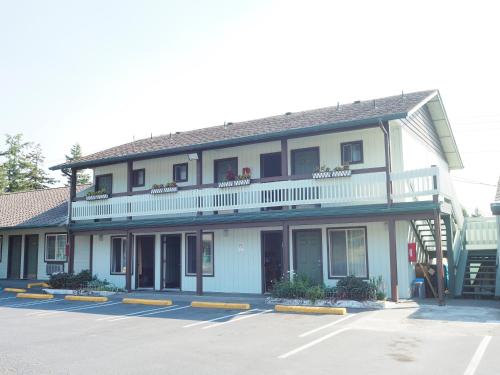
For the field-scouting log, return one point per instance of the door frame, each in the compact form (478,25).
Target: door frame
(262,256)
(162,279)
(26,259)
(9,256)
(137,237)
(294,244)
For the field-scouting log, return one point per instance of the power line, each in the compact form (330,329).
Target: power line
(458,179)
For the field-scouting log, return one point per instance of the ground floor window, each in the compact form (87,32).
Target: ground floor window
(207,254)
(118,255)
(347,255)
(55,247)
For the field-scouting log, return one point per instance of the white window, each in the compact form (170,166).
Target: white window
(118,255)
(55,247)
(207,254)
(347,254)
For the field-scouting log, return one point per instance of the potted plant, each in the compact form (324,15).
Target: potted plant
(96,195)
(327,172)
(169,187)
(236,180)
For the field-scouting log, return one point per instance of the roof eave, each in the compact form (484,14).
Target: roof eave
(230,142)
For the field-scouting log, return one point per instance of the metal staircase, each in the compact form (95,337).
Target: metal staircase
(424,233)
(480,274)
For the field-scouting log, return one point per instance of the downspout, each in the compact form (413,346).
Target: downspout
(387,148)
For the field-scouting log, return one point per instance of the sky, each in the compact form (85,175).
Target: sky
(102,73)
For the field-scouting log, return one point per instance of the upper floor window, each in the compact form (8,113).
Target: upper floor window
(207,254)
(352,152)
(55,247)
(225,169)
(305,160)
(104,183)
(118,255)
(138,177)
(347,255)
(181,172)
(270,164)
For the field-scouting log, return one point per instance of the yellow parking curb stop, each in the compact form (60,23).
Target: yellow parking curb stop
(86,298)
(221,305)
(154,302)
(34,295)
(311,309)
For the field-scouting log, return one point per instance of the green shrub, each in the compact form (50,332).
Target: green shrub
(66,280)
(298,287)
(354,288)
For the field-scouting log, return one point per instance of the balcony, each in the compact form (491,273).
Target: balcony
(358,189)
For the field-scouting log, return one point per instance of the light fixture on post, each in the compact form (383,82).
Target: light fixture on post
(193,156)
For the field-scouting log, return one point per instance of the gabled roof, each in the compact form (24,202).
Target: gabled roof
(36,208)
(271,128)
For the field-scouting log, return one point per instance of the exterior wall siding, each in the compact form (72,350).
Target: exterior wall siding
(82,256)
(41,265)
(160,170)
(119,172)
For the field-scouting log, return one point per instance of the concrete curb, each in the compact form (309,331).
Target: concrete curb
(14,290)
(43,285)
(34,296)
(311,309)
(221,305)
(153,302)
(86,298)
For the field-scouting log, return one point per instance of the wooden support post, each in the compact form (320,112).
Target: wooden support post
(73,182)
(439,257)
(388,164)
(130,172)
(284,157)
(199,261)
(71,260)
(449,251)
(199,175)
(91,254)
(285,262)
(128,271)
(393,258)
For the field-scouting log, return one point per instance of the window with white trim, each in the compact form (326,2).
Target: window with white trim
(207,254)
(347,255)
(55,247)
(118,255)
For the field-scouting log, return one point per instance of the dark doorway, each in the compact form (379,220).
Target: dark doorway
(272,243)
(171,261)
(14,263)
(30,256)
(145,266)
(307,257)
(270,164)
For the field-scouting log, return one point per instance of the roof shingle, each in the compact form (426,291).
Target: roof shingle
(394,106)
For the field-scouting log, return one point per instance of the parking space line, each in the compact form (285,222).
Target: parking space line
(7,298)
(27,304)
(134,313)
(219,318)
(165,309)
(325,326)
(313,343)
(74,308)
(478,355)
(238,319)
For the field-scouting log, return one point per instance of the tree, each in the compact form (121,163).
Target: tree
(22,169)
(3,179)
(82,177)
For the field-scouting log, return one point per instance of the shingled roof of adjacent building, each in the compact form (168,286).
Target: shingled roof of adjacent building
(497,196)
(36,208)
(336,117)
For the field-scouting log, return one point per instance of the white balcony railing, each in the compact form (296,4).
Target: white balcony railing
(481,233)
(367,188)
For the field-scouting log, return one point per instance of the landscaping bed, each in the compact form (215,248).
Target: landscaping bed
(82,284)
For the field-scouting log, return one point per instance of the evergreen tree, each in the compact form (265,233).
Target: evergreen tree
(82,177)
(22,168)
(3,179)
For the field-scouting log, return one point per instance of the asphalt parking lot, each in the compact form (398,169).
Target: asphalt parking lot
(64,337)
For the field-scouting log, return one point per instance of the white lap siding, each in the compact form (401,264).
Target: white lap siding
(82,253)
(101,262)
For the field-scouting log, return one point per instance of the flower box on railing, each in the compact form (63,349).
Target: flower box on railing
(233,183)
(331,174)
(96,197)
(163,190)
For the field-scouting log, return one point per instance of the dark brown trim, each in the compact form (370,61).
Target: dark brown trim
(133,177)
(110,193)
(216,167)
(343,162)
(180,165)
(71,263)
(191,234)
(136,266)
(73,181)
(111,255)
(91,254)
(162,260)
(388,163)
(285,261)
(284,157)
(128,273)
(130,171)
(294,246)
(294,151)
(328,251)
(45,248)
(199,261)
(262,255)
(393,259)
(199,169)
